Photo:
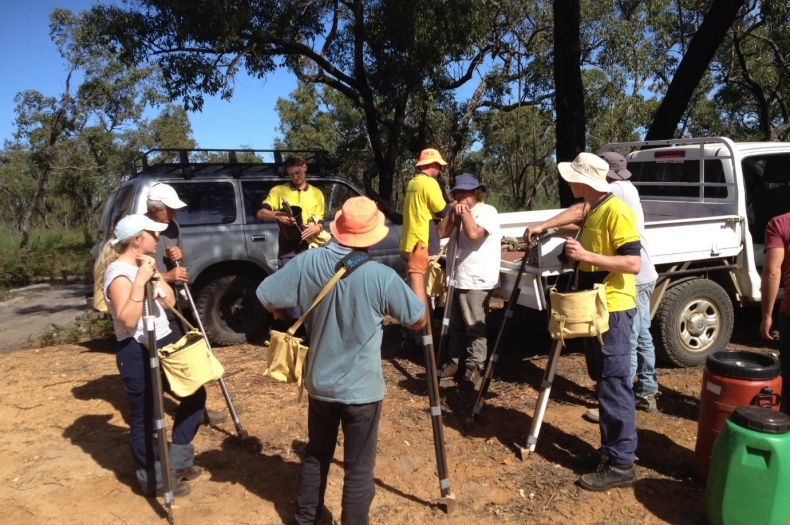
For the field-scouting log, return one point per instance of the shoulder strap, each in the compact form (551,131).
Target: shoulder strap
(347,264)
(178,314)
(353,260)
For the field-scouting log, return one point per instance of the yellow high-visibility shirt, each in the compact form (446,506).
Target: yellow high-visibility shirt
(423,201)
(607,227)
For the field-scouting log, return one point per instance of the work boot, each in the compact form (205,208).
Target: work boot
(188,474)
(647,403)
(471,378)
(214,417)
(593,460)
(449,370)
(592,414)
(609,476)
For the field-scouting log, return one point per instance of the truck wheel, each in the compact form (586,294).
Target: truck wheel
(230,311)
(694,319)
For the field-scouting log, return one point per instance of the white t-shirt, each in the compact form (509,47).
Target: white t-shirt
(625,191)
(161,325)
(478,261)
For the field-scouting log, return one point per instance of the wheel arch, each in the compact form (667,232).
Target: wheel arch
(251,271)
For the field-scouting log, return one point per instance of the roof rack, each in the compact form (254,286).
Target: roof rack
(233,162)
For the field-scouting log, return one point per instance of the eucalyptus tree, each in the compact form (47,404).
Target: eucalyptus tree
(398,63)
(108,95)
(753,70)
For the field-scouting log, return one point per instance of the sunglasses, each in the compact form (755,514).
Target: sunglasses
(155,235)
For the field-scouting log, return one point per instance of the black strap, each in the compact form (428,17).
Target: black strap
(352,261)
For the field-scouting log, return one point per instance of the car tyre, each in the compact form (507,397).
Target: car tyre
(231,312)
(695,319)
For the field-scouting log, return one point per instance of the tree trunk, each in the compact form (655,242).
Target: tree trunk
(693,66)
(569,93)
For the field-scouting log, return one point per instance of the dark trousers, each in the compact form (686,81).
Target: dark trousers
(133,364)
(784,359)
(360,436)
(610,366)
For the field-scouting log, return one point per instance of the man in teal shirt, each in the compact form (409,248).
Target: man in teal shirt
(344,379)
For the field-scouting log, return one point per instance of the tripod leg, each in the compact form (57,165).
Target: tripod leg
(444,339)
(489,371)
(543,399)
(159,408)
(239,430)
(436,418)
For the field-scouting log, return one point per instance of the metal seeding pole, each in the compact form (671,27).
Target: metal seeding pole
(432,379)
(239,430)
(159,408)
(489,372)
(443,340)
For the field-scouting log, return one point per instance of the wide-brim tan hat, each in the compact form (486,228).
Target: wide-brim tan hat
(429,156)
(588,169)
(359,223)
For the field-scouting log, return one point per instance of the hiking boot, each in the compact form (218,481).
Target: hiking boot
(214,417)
(592,414)
(449,370)
(179,488)
(647,403)
(609,476)
(472,377)
(593,460)
(188,474)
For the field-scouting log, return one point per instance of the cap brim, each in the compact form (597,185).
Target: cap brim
(174,204)
(621,174)
(441,162)
(571,175)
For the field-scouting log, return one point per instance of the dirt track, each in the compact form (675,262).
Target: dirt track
(33,310)
(64,455)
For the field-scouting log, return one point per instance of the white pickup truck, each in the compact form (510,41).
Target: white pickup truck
(706,203)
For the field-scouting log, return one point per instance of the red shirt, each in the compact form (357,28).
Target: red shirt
(777,235)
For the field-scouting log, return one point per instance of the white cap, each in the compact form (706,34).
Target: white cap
(131,225)
(167,195)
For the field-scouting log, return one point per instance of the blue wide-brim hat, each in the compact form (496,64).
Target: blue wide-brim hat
(467,181)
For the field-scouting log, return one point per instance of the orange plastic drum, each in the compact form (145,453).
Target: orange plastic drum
(732,379)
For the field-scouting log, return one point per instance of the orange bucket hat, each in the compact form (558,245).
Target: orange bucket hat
(359,223)
(429,156)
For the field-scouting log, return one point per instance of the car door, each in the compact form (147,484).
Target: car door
(260,237)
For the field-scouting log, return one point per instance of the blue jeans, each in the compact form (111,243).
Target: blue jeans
(784,359)
(360,437)
(133,364)
(643,353)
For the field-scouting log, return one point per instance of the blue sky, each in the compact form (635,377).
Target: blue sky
(30,60)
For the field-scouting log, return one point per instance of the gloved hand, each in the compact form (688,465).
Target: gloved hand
(418,260)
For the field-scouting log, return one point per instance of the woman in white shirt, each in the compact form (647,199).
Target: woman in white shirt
(124,267)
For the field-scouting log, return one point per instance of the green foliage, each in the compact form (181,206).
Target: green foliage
(752,75)
(50,254)
(398,65)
